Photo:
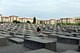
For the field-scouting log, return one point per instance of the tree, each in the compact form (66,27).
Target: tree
(78,23)
(18,22)
(58,23)
(28,22)
(41,22)
(69,23)
(34,20)
(15,21)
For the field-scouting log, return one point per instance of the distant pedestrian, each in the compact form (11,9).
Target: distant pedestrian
(38,29)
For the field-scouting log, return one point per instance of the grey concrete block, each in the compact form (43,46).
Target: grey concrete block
(3,41)
(40,51)
(53,35)
(19,33)
(70,52)
(18,36)
(38,43)
(16,40)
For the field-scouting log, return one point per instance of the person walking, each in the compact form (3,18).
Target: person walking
(38,30)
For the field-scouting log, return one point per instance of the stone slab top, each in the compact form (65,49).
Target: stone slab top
(19,36)
(40,51)
(75,33)
(1,37)
(43,34)
(70,52)
(17,39)
(41,40)
(68,37)
(54,34)
(47,32)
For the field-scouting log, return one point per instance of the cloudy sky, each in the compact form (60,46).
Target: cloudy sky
(43,9)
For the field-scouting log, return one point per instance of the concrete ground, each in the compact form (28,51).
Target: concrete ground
(13,48)
(61,47)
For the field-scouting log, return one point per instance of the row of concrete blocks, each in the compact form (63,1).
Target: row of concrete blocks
(35,43)
(48,51)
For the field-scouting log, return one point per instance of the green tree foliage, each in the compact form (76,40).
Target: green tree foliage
(78,23)
(15,21)
(68,23)
(58,23)
(64,24)
(41,22)
(34,20)
(28,22)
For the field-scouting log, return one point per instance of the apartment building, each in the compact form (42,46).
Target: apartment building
(5,19)
(58,21)
(12,18)
(66,20)
(26,19)
(77,19)
(0,17)
(52,21)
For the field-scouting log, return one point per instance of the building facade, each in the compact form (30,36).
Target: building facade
(51,21)
(77,19)
(5,19)
(12,18)
(26,19)
(66,20)
(0,17)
